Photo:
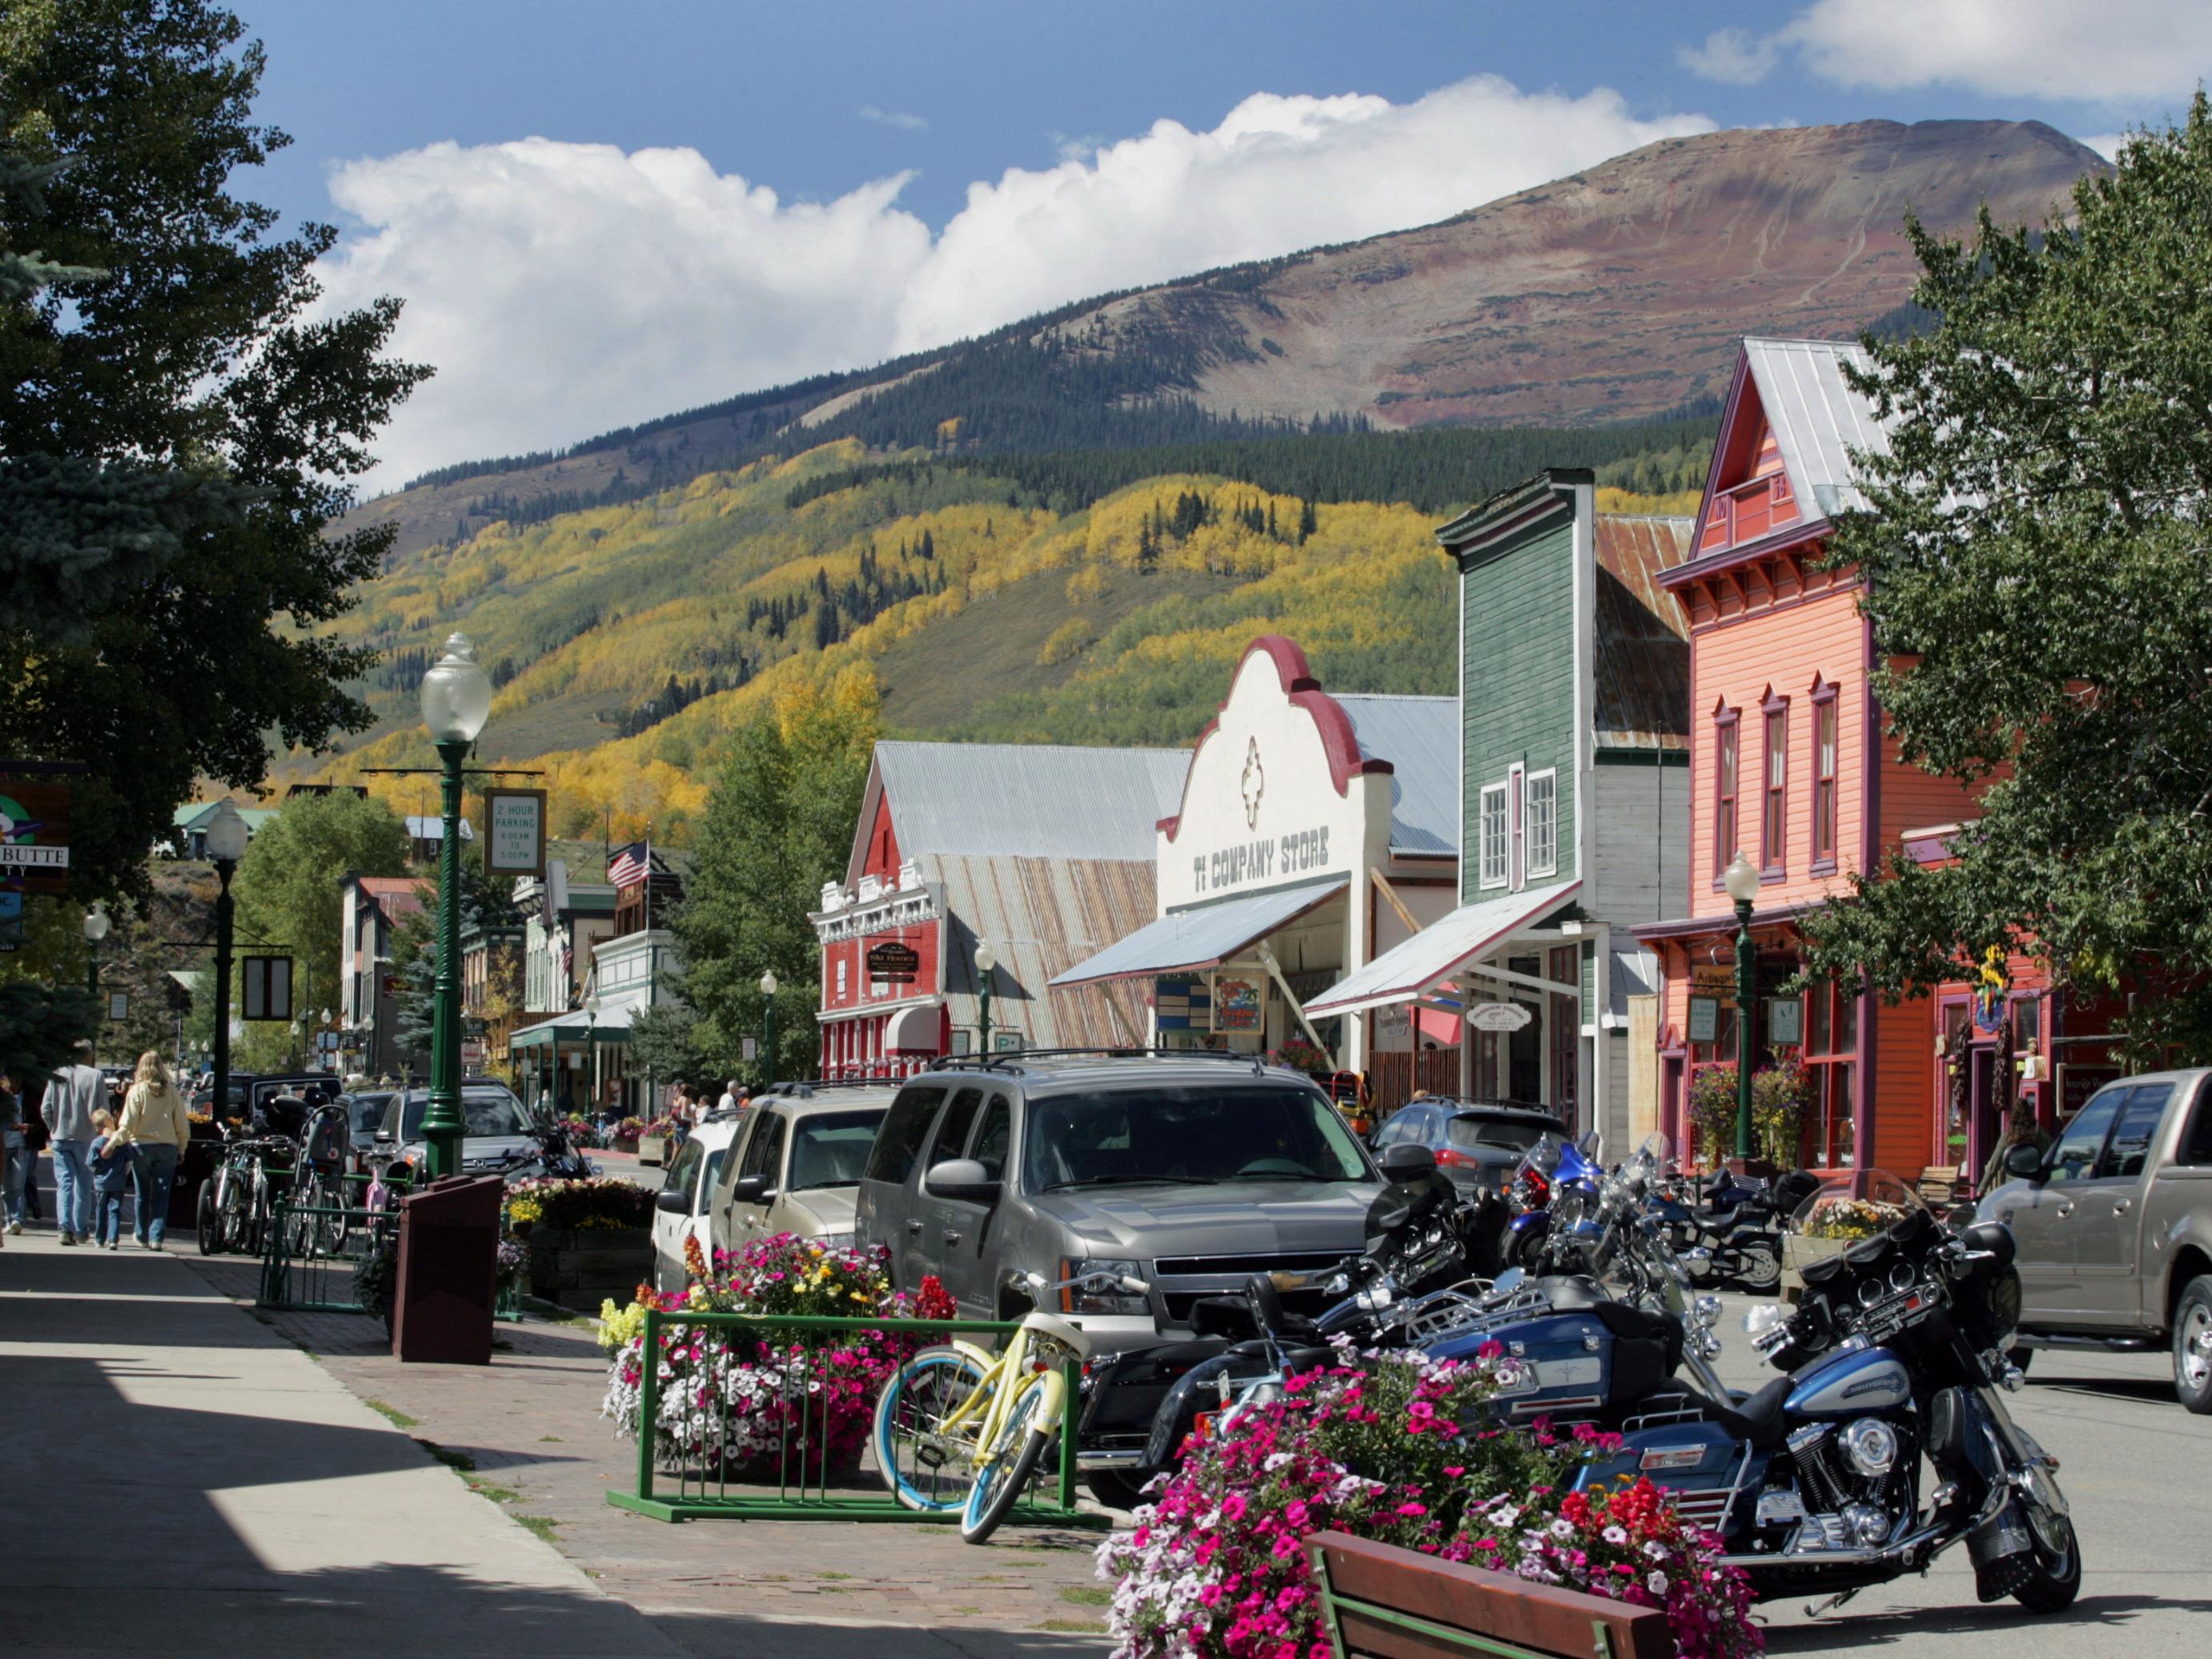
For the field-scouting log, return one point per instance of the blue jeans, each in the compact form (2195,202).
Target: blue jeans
(14,1170)
(153,1173)
(108,1217)
(72,1189)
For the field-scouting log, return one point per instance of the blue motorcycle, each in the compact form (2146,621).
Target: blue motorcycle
(1556,1194)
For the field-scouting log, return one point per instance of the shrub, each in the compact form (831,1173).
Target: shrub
(597,1201)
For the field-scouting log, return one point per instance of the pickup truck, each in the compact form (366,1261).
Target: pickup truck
(2113,1226)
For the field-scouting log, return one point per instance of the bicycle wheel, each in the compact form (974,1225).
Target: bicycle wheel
(924,1470)
(230,1210)
(207,1221)
(1004,1474)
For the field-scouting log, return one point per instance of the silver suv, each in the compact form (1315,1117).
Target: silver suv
(1191,1171)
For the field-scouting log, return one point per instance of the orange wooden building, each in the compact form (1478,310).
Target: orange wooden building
(1790,765)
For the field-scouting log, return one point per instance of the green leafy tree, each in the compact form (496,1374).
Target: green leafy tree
(664,1043)
(38,1023)
(177,431)
(778,824)
(2038,574)
(287,885)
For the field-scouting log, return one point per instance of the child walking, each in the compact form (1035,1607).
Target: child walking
(111,1178)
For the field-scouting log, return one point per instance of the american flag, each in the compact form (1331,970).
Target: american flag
(631,865)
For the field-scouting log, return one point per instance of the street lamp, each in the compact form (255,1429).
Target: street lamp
(591,1054)
(456,702)
(225,840)
(1742,881)
(986,960)
(95,929)
(768,1027)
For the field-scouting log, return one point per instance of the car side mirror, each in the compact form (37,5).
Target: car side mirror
(672,1200)
(751,1189)
(2025,1163)
(961,1178)
(1408,1161)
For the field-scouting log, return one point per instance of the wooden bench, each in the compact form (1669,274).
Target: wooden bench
(1379,1601)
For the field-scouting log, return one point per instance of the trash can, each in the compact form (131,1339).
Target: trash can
(442,1308)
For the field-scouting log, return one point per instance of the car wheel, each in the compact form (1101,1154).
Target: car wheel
(2192,1346)
(1115,1489)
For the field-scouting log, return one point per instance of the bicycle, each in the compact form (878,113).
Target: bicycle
(317,1222)
(235,1204)
(959,1427)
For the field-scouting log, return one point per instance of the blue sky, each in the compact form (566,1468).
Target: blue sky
(732,194)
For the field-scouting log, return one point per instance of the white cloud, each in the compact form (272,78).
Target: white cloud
(2107,144)
(1734,55)
(894,118)
(560,289)
(2112,50)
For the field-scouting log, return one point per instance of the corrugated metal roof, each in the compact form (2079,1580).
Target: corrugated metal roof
(1029,800)
(1643,654)
(1042,915)
(1818,420)
(1420,738)
(1411,966)
(1205,936)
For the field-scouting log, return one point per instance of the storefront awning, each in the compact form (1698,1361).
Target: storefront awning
(1202,937)
(1407,969)
(916,1029)
(612,1026)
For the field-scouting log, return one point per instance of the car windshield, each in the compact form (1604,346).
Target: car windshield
(486,1113)
(1194,1136)
(829,1149)
(366,1113)
(1505,1134)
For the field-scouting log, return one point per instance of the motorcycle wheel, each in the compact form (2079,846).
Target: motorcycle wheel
(2056,1579)
(1759,1266)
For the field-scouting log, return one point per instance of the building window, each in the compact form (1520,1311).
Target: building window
(1774,807)
(1492,819)
(1543,823)
(1724,757)
(1832,1041)
(841,976)
(1824,780)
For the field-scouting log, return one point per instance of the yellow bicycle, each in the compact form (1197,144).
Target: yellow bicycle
(960,1427)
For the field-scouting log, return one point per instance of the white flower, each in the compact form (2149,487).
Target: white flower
(1562,1530)
(1656,1551)
(1506,1517)
(1656,1583)
(1615,1535)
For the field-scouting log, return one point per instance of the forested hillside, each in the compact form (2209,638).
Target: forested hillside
(1092,597)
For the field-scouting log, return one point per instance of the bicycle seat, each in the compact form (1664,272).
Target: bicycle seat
(1059,1330)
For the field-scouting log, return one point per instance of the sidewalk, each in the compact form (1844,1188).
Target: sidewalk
(185,1478)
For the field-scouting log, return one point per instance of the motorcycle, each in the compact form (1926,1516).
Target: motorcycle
(1555,1194)
(1736,1233)
(1897,1353)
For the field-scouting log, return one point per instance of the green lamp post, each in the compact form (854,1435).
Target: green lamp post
(225,841)
(986,960)
(768,1029)
(1742,880)
(456,702)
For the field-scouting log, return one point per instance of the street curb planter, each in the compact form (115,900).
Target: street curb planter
(623,1143)
(582,1266)
(653,1149)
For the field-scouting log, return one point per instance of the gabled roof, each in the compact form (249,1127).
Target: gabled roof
(1818,419)
(1420,738)
(1022,800)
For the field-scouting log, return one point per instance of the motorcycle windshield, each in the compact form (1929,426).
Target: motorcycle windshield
(1853,1203)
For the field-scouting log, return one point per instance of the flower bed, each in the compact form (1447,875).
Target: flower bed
(1214,1567)
(595,1201)
(730,1399)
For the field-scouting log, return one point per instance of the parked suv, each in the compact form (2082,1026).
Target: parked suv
(1479,1144)
(1191,1171)
(798,1169)
(2112,1226)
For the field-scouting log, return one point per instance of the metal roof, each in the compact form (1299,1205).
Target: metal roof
(1205,936)
(1411,966)
(1420,738)
(1026,800)
(1818,420)
(1643,654)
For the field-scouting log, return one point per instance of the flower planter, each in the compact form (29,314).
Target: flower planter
(653,1149)
(1798,1252)
(623,1143)
(580,1267)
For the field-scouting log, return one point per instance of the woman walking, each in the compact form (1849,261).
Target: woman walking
(14,1157)
(157,1127)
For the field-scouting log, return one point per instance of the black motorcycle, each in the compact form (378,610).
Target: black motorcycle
(1735,1233)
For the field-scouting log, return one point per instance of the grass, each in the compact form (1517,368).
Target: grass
(833,1575)
(497,1494)
(392,1414)
(549,1440)
(1087,1596)
(542,1525)
(451,1459)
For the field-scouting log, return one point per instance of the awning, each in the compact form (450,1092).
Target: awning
(1406,969)
(612,1026)
(1205,936)
(914,1029)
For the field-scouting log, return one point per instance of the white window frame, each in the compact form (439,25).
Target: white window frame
(1492,874)
(1516,827)
(1544,851)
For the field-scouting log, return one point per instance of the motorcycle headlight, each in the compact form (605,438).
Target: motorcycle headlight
(1076,1300)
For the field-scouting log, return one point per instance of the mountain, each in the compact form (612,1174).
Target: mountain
(1067,530)
(1615,294)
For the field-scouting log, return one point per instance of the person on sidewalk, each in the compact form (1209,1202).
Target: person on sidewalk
(111,1164)
(157,1126)
(73,1094)
(14,1157)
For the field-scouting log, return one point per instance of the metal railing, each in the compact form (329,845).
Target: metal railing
(804,1478)
(309,1254)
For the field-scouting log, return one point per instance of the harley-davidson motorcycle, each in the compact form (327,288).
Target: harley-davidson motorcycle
(1897,1354)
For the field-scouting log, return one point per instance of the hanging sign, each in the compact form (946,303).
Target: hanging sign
(514,832)
(894,962)
(1236,1004)
(265,988)
(1499,1016)
(1704,1019)
(34,837)
(119,1005)
(1785,1020)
